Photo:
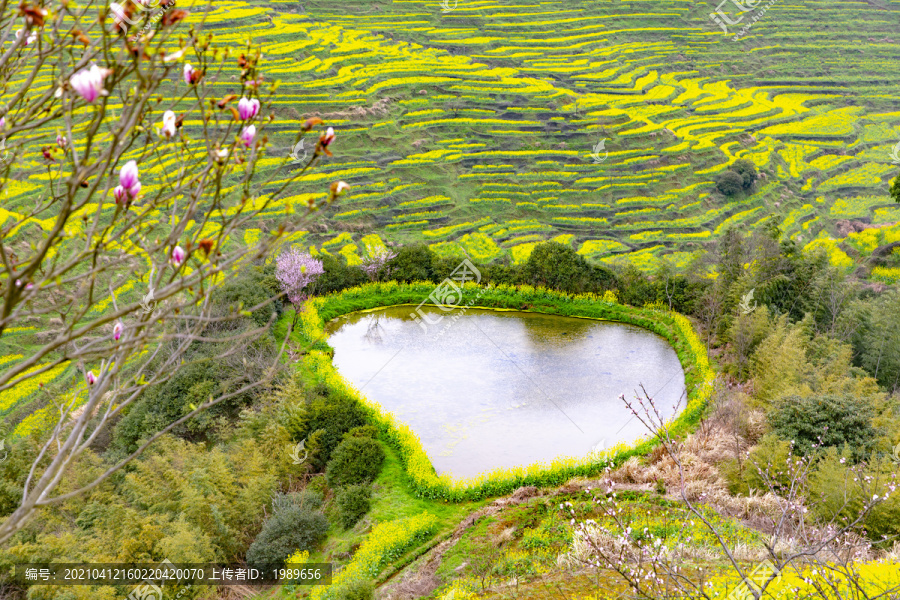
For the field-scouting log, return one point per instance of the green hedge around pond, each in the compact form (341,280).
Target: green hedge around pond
(674,327)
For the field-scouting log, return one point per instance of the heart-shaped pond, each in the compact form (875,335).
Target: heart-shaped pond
(505,389)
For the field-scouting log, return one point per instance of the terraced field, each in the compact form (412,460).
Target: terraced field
(492,126)
(473,129)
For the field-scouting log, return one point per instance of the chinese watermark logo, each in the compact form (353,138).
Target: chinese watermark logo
(149,590)
(148,305)
(3,450)
(895,154)
(746,299)
(122,16)
(296,450)
(895,456)
(754,582)
(447,296)
(445,5)
(723,20)
(597,450)
(4,153)
(295,153)
(600,147)
(146,591)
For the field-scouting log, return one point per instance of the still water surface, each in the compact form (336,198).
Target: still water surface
(505,389)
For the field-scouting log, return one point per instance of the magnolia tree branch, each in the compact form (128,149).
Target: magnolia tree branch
(152,176)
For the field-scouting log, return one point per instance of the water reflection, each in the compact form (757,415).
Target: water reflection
(505,388)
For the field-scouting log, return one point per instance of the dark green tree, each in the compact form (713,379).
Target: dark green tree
(292,528)
(747,170)
(355,461)
(816,422)
(729,183)
(338,275)
(412,263)
(558,266)
(352,501)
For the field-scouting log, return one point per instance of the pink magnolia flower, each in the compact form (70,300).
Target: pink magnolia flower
(61,141)
(188,73)
(128,178)
(117,330)
(168,128)
(248,134)
(89,82)
(90,377)
(2,122)
(134,190)
(247,109)
(128,174)
(177,256)
(119,194)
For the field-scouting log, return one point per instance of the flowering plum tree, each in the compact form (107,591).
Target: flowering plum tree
(296,271)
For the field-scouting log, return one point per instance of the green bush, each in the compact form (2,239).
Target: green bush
(557,266)
(338,275)
(412,263)
(353,501)
(354,461)
(355,589)
(729,183)
(293,527)
(336,416)
(193,383)
(251,288)
(826,421)
(443,266)
(307,498)
(747,170)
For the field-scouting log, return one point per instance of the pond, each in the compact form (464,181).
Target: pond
(502,388)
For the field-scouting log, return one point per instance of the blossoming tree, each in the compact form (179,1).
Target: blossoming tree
(150,181)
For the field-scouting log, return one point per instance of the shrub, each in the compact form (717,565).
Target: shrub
(293,527)
(193,383)
(315,452)
(729,183)
(558,266)
(338,275)
(354,461)
(500,272)
(353,501)
(412,263)
(251,288)
(356,589)
(335,416)
(834,419)
(747,170)
(307,498)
